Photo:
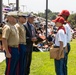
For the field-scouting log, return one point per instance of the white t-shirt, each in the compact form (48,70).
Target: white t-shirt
(68,32)
(60,36)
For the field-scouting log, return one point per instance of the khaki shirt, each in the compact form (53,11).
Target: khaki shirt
(22,33)
(0,33)
(11,33)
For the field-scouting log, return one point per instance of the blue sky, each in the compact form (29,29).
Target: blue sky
(40,5)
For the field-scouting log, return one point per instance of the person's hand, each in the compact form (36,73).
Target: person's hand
(8,55)
(59,55)
(58,58)
(66,49)
(34,39)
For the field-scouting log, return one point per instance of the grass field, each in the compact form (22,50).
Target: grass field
(43,65)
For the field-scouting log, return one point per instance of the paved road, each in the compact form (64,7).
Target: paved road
(2,56)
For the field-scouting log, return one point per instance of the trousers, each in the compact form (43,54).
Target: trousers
(11,63)
(22,59)
(66,59)
(29,48)
(59,66)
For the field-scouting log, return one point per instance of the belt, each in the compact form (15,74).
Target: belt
(58,47)
(63,47)
(15,46)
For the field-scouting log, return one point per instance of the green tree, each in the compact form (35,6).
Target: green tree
(72,19)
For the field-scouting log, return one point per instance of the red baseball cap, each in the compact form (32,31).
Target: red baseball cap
(64,12)
(59,19)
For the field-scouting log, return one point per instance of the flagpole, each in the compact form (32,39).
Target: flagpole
(17,5)
(8,2)
(1,11)
(46,16)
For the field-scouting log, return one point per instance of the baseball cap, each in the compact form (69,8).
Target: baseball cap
(64,12)
(59,19)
